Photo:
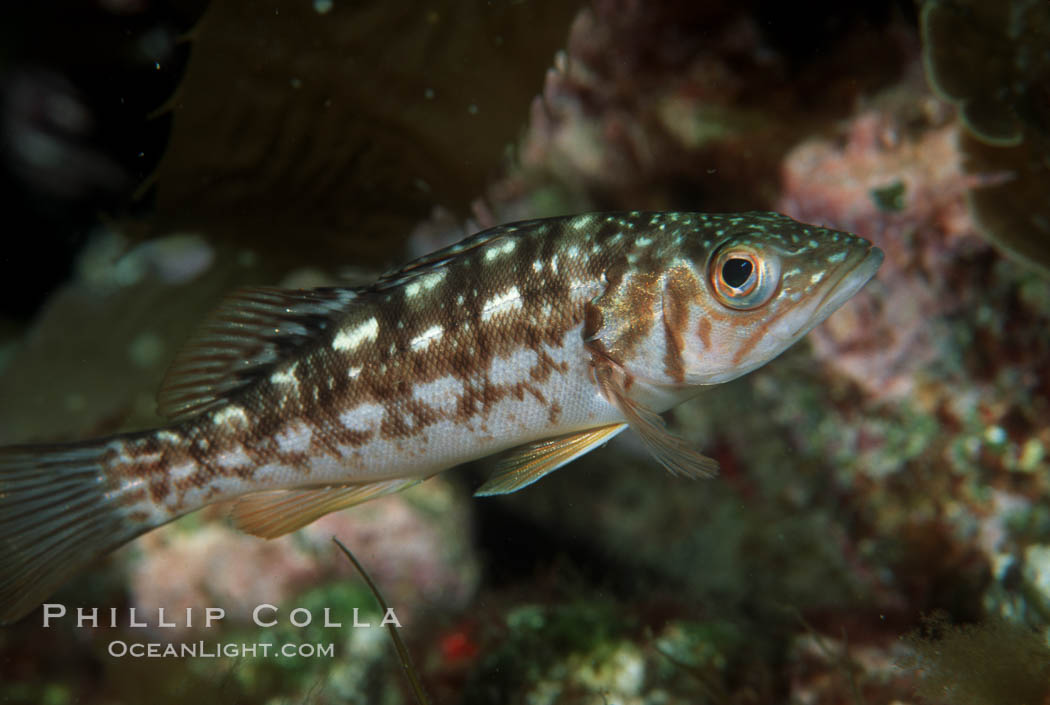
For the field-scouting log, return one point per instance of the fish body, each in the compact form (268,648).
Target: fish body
(546,336)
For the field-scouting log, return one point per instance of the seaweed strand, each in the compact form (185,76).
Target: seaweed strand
(406,661)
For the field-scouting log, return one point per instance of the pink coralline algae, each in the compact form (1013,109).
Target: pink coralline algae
(633,100)
(408,542)
(902,187)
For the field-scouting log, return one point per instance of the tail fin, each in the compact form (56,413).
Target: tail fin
(57,514)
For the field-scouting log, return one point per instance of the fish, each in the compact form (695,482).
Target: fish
(542,339)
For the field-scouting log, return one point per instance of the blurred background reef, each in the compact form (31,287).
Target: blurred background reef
(880,531)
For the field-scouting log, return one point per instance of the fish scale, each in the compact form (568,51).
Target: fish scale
(547,337)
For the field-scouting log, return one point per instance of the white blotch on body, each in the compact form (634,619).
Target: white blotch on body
(583,222)
(441,394)
(509,300)
(285,376)
(424,339)
(228,415)
(504,248)
(294,438)
(232,458)
(423,284)
(361,417)
(514,367)
(168,437)
(182,471)
(350,339)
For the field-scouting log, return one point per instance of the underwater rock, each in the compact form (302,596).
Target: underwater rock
(907,148)
(944,325)
(412,544)
(831,669)
(592,650)
(992,59)
(93,359)
(685,105)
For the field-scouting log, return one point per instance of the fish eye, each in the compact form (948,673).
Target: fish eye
(744,278)
(736,272)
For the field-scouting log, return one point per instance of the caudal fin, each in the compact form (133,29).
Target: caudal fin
(57,514)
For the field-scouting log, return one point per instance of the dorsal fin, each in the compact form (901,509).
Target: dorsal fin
(253,329)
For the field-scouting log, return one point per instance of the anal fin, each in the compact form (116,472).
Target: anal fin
(530,462)
(278,512)
(674,453)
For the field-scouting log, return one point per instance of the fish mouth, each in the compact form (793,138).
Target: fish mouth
(849,278)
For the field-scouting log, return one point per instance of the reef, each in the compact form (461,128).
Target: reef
(879,531)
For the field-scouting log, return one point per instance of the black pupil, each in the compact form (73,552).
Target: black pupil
(736,271)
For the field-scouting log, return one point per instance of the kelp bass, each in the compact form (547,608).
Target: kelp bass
(547,337)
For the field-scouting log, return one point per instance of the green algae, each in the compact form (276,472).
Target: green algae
(539,638)
(704,650)
(596,648)
(890,198)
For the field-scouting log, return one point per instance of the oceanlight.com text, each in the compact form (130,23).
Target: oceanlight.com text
(202,649)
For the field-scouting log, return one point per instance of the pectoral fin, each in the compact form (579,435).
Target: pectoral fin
(279,512)
(528,463)
(672,452)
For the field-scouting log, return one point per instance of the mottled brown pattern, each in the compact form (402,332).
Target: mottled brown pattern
(628,313)
(610,275)
(390,369)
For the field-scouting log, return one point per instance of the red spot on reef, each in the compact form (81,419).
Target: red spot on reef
(458,646)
